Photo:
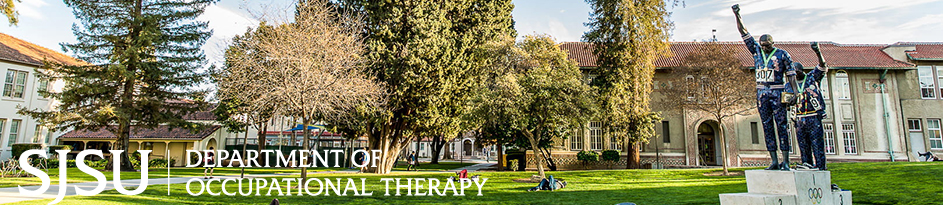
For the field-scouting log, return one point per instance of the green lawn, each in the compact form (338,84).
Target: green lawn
(872,183)
(75,175)
(442,166)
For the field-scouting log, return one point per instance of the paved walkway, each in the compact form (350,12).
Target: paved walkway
(475,167)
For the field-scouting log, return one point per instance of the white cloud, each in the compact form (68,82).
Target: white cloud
(31,9)
(831,7)
(560,32)
(225,24)
(928,20)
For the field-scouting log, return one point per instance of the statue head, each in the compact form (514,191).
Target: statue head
(766,43)
(800,74)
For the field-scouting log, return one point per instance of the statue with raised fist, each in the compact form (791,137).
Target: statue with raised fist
(775,90)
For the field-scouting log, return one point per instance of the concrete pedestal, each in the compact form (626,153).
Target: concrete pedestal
(788,187)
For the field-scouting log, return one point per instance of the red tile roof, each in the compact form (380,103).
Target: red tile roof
(837,55)
(927,52)
(161,132)
(205,114)
(20,51)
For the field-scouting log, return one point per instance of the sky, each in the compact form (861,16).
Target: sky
(49,22)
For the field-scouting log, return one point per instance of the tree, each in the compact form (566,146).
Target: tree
(627,37)
(143,58)
(538,92)
(8,8)
(427,53)
(309,66)
(711,80)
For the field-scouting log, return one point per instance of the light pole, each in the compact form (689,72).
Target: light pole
(657,148)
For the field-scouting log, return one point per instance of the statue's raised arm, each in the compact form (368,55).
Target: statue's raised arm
(818,53)
(736,13)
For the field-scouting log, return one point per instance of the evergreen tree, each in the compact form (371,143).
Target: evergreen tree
(428,54)
(627,36)
(143,57)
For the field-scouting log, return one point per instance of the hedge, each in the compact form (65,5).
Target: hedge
(19,148)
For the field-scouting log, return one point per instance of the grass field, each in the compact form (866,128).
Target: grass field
(76,176)
(872,183)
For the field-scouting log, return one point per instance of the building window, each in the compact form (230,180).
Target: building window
(15,84)
(576,142)
(614,143)
(755,132)
(848,133)
(595,135)
(823,87)
(936,137)
(829,133)
(665,132)
(843,91)
(2,123)
(42,86)
(927,86)
(939,76)
(37,134)
(14,132)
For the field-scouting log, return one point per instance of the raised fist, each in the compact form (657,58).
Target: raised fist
(736,8)
(815,46)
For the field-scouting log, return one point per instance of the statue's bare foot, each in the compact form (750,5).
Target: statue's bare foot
(784,166)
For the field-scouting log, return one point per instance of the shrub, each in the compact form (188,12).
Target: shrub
(587,156)
(610,156)
(157,163)
(513,164)
(19,148)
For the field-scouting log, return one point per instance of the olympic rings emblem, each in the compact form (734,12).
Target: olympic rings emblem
(815,195)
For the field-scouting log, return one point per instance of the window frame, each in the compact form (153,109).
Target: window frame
(850,138)
(843,81)
(921,78)
(13,82)
(596,141)
(665,132)
(14,132)
(935,134)
(755,132)
(828,137)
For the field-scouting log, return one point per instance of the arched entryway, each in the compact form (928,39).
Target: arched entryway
(467,147)
(211,143)
(708,146)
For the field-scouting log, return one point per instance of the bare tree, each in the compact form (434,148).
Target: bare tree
(711,80)
(308,65)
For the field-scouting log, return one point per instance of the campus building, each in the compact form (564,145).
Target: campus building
(882,105)
(21,85)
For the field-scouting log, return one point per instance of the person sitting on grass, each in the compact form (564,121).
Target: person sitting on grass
(463,175)
(209,160)
(549,184)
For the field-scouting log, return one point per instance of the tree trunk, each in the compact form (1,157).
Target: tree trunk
(632,156)
(547,155)
(245,141)
(723,145)
(438,142)
(539,156)
(305,144)
(121,143)
(500,148)
(261,141)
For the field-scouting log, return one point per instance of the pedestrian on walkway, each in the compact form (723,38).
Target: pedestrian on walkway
(210,162)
